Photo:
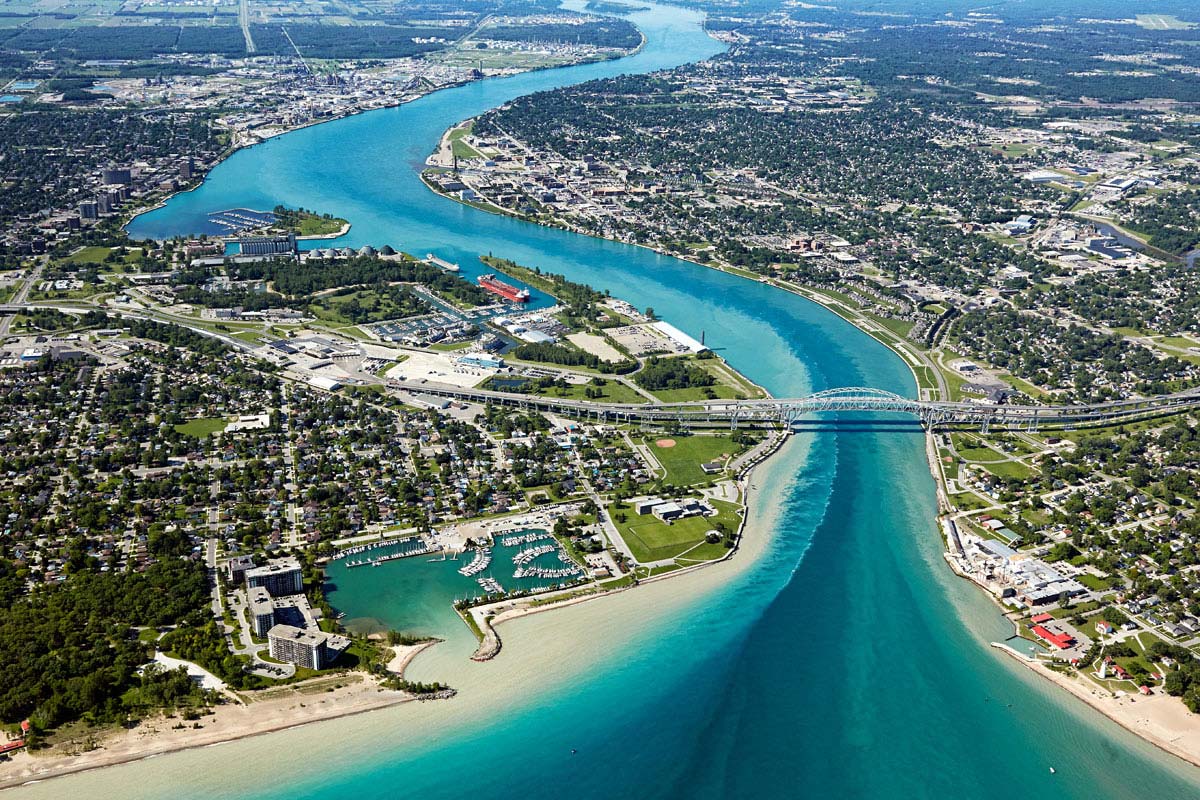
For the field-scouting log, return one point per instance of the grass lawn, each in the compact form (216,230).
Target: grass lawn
(372,305)
(88,255)
(1092,582)
(900,327)
(1182,342)
(969,501)
(652,540)
(1021,385)
(202,427)
(980,455)
(949,464)
(926,378)
(611,392)
(729,377)
(313,225)
(1009,469)
(682,462)
(722,391)
(460,148)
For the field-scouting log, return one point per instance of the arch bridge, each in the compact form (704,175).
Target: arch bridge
(787,412)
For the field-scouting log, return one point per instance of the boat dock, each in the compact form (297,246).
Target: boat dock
(371,554)
(546,572)
(524,538)
(482,560)
(530,553)
(430,258)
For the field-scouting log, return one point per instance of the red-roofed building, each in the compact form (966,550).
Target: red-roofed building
(1040,618)
(1060,640)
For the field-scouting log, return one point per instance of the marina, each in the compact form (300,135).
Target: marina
(239,220)
(548,573)
(490,585)
(524,538)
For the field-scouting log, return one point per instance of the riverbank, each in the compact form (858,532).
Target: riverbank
(870,327)
(268,711)
(1159,719)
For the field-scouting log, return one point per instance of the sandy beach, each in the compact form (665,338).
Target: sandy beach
(271,710)
(1160,719)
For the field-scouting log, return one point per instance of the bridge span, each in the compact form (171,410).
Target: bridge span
(790,411)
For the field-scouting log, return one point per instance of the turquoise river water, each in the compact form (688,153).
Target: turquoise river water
(835,657)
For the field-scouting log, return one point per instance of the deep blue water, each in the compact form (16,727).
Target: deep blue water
(847,662)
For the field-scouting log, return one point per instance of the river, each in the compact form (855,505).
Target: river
(836,656)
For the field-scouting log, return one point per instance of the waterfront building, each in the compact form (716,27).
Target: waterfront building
(305,648)
(269,245)
(279,577)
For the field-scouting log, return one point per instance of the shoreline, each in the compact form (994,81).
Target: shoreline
(154,737)
(851,316)
(357,693)
(1147,729)
(277,709)
(1152,719)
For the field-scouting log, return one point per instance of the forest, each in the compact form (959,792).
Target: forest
(67,652)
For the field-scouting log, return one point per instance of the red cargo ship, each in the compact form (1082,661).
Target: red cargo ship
(507,291)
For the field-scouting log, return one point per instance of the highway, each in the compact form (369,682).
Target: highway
(790,411)
(244,21)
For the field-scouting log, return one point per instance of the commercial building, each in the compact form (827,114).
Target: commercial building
(483,361)
(1063,641)
(116,176)
(304,648)
(279,577)
(269,245)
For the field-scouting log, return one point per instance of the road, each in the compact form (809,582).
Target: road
(22,294)
(244,21)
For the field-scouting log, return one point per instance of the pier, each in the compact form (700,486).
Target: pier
(525,538)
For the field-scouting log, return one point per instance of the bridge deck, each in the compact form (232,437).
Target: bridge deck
(854,399)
